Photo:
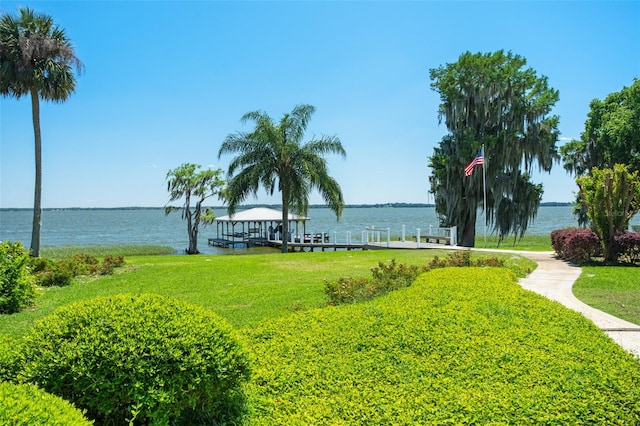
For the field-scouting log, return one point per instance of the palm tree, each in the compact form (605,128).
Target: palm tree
(272,156)
(36,58)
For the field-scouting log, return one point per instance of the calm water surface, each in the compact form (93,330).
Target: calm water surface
(151,226)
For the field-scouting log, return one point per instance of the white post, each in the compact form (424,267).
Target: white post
(388,237)
(418,238)
(454,235)
(349,237)
(403,233)
(363,237)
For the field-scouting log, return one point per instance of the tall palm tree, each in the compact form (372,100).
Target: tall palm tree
(273,156)
(37,59)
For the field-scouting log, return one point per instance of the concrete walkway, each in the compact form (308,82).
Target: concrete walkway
(554,279)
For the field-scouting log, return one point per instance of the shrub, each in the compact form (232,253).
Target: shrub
(581,245)
(49,273)
(575,245)
(80,264)
(626,247)
(17,290)
(393,276)
(146,358)
(459,346)
(9,348)
(23,404)
(558,238)
(109,263)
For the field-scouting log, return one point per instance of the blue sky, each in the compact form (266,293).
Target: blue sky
(166,82)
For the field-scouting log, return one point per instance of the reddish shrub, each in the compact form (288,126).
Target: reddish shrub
(626,247)
(558,239)
(580,245)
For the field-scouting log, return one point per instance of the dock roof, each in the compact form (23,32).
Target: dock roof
(259,214)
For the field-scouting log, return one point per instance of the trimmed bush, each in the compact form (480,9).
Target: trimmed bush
(575,245)
(459,346)
(17,290)
(626,247)
(23,404)
(142,358)
(392,276)
(9,348)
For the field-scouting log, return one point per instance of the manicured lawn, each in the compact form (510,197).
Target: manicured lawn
(612,289)
(244,289)
(459,346)
(527,243)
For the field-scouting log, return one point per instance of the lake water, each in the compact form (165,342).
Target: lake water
(80,227)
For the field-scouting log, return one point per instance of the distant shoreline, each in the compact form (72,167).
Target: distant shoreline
(274,206)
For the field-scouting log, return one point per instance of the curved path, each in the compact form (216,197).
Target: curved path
(554,279)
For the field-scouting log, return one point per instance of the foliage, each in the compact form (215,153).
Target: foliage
(22,404)
(37,59)
(146,358)
(9,348)
(287,282)
(49,273)
(626,247)
(611,136)
(575,245)
(187,181)
(612,197)
(460,346)
(392,276)
(61,252)
(612,289)
(491,100)
(273,156)
(17,290)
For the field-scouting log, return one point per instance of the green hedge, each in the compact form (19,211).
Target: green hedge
(460,346)
(137,357)
(17,290)
(28,405)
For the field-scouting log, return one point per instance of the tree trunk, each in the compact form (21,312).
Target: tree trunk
(192,230)
(285,220)
(468,237)
(37,196)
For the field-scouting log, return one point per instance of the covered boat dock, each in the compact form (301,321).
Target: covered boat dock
(259,226)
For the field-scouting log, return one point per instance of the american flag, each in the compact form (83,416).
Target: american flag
(478,161)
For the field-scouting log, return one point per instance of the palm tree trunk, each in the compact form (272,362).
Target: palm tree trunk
(285,221)
(37,197)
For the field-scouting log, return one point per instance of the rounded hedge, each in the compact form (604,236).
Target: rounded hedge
(146,358)
(24,404)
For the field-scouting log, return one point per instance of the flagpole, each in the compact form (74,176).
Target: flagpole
(484,190)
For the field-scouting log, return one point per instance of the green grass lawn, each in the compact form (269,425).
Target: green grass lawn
(244,289)
(612,289)
(526,243)
(460,346)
